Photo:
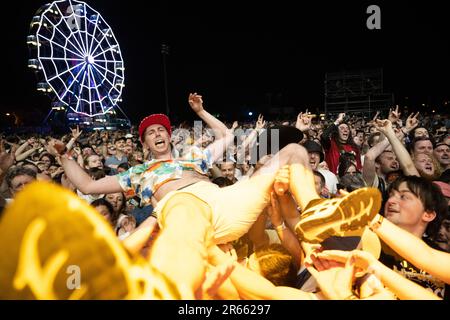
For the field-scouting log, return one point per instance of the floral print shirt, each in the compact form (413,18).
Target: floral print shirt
(145,179)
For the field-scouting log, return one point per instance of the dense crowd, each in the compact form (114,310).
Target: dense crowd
(129,177)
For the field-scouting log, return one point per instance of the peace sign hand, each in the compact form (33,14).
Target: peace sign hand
(260,124)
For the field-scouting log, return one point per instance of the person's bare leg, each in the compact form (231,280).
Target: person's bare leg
(302,184)
(239,205)
(180,250)
(301,177)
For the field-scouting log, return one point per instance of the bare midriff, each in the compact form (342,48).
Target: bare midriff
(189,177)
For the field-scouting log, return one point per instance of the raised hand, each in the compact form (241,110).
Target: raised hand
(383,125)
(364,261)
(76,132)
(196,102)
(234,126)
(31,141)
(303,121)
(77,150)
(340,118)
(376,116)
(260,124)
(6,159)
(412,122)
(335,279)
(55,147)
(274,210)
(213,280)
(394,115)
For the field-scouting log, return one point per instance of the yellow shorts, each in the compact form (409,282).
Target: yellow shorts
(234,208)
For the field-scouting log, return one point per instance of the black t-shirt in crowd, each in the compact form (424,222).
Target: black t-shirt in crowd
(411,272)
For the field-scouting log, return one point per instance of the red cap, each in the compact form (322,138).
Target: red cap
(157,118)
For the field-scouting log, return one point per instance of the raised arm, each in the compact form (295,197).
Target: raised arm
(251,138)
(435,262)
(22,148)
(288,239)
(196,103)
(218,147)
(303,122)
(326,135)
(75,135)
(369,171)
(80,178)
(27,153)
(403,157)
(6,159)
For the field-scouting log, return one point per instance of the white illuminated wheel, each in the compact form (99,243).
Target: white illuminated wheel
(79,57)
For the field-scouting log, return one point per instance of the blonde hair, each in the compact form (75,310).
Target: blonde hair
(436,165)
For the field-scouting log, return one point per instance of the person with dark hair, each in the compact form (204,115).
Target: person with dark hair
(316,156)
(319,180)
(421,145)
(443,238)
(119,157)
(93,161)
(118,201)
(351,182)
(123,167)
(31,166)
(96,173)
(222,182)
(419,131)
(86,150)
(228,170)
(105,208)
(47,159)
(428,215)
(417,206)
(346,166)
(442,154)
(17,177)
(336,141)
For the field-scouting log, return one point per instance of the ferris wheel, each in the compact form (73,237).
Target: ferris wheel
(77,58)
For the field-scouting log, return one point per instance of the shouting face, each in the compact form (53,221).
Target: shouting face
(344,133)
(157,140)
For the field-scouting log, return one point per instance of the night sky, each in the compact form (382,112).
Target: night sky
(238,55)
